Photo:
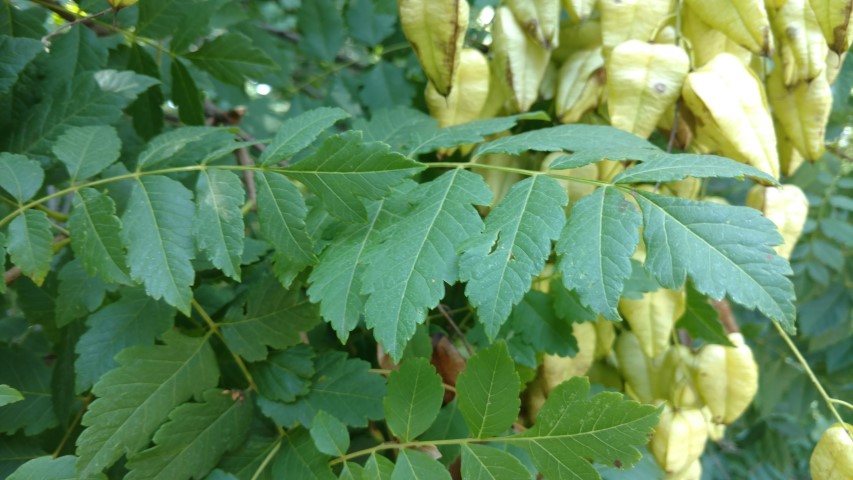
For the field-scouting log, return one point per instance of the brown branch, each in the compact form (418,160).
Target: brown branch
(446,314)
(69,16)
(9,276)
(727,318)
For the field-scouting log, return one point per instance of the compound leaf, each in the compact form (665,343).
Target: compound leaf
(414,465)
(414,398)
(673,167)
(488,392)
(20,176)
(297,133)
(96,236)
(285,374)
(26,372)
(330,434)
(218,226)
(299,458)
(481,461)
(232,58)
(29,244)
(86,151)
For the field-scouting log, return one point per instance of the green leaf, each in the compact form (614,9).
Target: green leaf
(147,110)
(724,250)
(386,86)
(378,467)
(352,471)
(572,430)
(701,320)
(194,438)
(282,212)
(537,322)
(249,457)
(86,151)
(49,468)
(371,21)
(16,450)
(839,230)
(596,246)
(344,171)
(672,167)
(20,176)
(595,141)
(322,29)
(342,387)
(26,372)
(297,133)
(135,398)
(161,18)
(273,316)
(232,58)
(330,435)
(191,143)
(286,374)
(186,95)
(336,280)
(3,260)
(480,461)
(414,398)
(9,395)
(15,54)
(135,319)
(30,244)
(407,270)
(449,424)
(414,465)
(79,293)
(500,263)
(488,392)
(159,240)
(300,459)
(218,226)
(96,236)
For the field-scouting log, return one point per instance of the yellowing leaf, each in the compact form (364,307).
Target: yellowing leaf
(468,96)
(730,108)
(744,21)
(642,81)
(519,61)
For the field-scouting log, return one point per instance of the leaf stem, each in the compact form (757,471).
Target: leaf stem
(267,460)
(521,171)
(422,443)
(72,426)
(826,398)
(215,330)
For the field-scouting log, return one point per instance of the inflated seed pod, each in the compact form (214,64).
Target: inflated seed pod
(574,37)
(468,94)
(605,335)
(692,472)
(716,431)
(623,20)
(675,379)
(580,84)
(539,18)
(678,439)
(744,21)
(500,182)
(534,398)
(556,369)
(801,45)
(832,458)
(834,17)
(520,62)
(726,378)
(642,381)
(787,207)
(575,190)
(652,318)
(708,42)
(579,10)
(803,112)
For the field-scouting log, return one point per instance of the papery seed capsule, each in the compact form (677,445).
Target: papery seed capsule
(832,458)
(726,378)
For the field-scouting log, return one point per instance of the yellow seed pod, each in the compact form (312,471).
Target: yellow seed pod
(774,3)
(833,65)
(436,30)
(691,472)
(539,18)
(744,21)
(708,42)
(790,158)
(556,369)
(832,458)
(623,20)
(119,4)
(638,370)
(678,439)
(575,37)
(643,80)
(726,378)
(607,169)
(468,94)
(652,318)
(548,87)
(499,182)
(520,62)
(605,374)
(716,431)
(787,207)
(674,377)
(801,43)
(687,188)
(729,105)
(575,190)
(534,399)
(803,111)
(834,17)
(580,84)
(605,335)
(579,10)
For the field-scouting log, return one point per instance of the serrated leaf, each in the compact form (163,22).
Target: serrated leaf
(282,211)
(158,239)
(86,151)
(285,374)
(342,387)
(701,320)
(351,471)
(488,392)
(673,167)
(386,86)
(482,462)
(838,230)
(218,226)
(330,435)
(406,272)
(378,467)
(96,237)
(595,249)
(344,171)
(186,95)
(537,322)
(26,372)
(29,244)
(414,465)
(191,145)
(135,398)
(297,133)
(414,398)
(20,176)
(15,54)
(322,29)
(9,395)
(147,110)
(232,58)
(274,317)
(49,468)
(134,319)
(78,293)
(196,435)
(299,458)
(246,460)
(15,451)
(573,429)
(500,263)
(371,21)
(724,250)
(596,141)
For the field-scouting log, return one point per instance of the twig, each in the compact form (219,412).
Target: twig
(72,426)
(442,308)
(9,276)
